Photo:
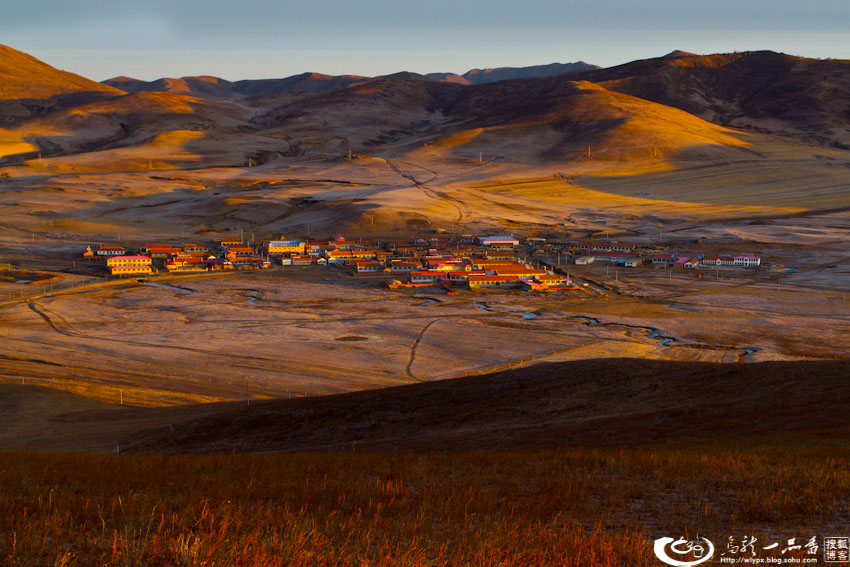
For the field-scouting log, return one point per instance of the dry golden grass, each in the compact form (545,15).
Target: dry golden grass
(157,103)
(459,139)
(176,138)
(575,195)
(19,141)
(563,507)
(649,126)
(780,182)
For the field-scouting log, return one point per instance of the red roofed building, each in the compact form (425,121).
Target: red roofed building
(462,276)
(110,251)
(494,281)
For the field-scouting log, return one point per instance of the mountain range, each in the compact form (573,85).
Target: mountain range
(214,87)
(679,106)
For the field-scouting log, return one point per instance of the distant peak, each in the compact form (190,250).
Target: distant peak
(204,78)
(405,76)
(122,79)
(314,76)
(679,53)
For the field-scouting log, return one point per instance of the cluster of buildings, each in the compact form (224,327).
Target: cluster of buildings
(630,255)
(474,262)
(229,254)
(738,261)
(467,261)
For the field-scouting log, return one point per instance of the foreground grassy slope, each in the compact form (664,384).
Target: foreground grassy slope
(573,507)
(590,403)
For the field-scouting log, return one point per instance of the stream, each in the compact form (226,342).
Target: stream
(667,341)
(653,333)
(249,295)
(173,287)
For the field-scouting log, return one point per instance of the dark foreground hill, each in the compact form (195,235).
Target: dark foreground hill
(593,403)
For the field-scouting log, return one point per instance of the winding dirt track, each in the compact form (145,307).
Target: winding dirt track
(407,369)
(460,206)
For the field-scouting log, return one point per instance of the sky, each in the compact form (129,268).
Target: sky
(254,39)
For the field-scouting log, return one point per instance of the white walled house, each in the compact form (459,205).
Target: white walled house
(747,261)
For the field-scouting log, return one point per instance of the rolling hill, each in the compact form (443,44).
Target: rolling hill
(760,90)
(603,125)
(31,87)
(596,403)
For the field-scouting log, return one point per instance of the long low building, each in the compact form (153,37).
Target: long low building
(498,241)
(431,276)
(516,270)
(130,270)
(747,260)
(615,256)
(494,281)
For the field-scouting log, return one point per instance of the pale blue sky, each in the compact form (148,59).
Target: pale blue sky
(264,38)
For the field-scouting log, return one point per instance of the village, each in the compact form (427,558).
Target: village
(473,262)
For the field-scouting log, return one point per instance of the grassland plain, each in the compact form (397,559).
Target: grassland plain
(140,344)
